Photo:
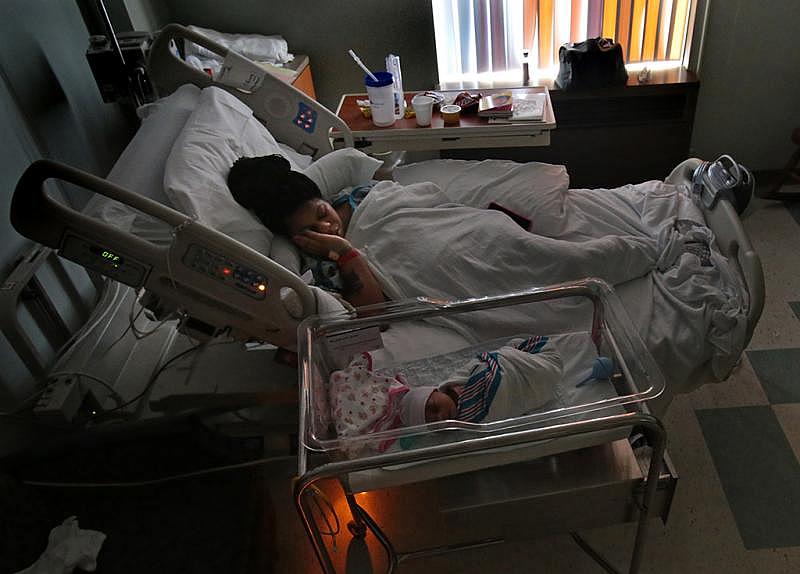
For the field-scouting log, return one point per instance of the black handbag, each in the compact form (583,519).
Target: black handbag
(593,63)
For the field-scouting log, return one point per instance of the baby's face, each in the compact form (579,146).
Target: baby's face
(439,407)
(315,215)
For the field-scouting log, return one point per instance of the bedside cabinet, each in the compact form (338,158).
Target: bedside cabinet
(297,73)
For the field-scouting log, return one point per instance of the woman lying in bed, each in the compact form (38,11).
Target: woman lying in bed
(290,203)
(437,239)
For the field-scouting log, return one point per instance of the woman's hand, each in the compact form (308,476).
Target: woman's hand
(322,244)
(359,285)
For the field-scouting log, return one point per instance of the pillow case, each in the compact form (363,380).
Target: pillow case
(220,130)
(140,167)
(341,168)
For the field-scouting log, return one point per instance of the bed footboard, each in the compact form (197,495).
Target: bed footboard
(733,242)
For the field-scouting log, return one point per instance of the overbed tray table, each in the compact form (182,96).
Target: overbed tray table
(471,131)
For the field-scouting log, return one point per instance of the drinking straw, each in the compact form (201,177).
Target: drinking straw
(362,66)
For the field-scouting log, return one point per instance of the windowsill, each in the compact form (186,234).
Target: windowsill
(657,78)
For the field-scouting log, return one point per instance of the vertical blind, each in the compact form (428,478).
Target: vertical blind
(484,37)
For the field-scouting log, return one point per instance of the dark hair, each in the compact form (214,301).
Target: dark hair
(271,189)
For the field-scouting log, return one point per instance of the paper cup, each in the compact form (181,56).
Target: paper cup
(423,108)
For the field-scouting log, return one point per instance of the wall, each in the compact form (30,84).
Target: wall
(49,107)
(749,82)
(147,14)
(372,29)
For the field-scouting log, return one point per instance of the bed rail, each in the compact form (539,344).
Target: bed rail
(289,114)
(202,274)
(733,242)
(24,287)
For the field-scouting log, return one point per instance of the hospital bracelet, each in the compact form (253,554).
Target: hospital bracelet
(352,254)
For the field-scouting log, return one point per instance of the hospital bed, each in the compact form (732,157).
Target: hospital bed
(161,222)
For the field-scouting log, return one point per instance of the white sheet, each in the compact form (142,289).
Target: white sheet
(686,313)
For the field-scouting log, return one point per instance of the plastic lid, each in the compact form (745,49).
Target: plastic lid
(384,79)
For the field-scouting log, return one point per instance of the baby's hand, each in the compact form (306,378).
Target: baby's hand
(322,244)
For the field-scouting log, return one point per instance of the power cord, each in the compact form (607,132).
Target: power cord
(137,333)
(125,332)
(152,379)
(160,370)
(319,499)
(93,378)
(53,379)
(162,480)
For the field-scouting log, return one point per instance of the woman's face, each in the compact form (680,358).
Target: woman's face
(315,215)
(439,407)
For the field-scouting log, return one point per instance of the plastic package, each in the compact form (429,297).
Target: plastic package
(393,67)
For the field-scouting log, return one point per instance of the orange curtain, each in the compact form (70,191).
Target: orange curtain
(664,25)
(678,33)
(575,32)
(647,29)
(610,19)
(546,17)
(624,26)
(529,9)
(651,29)
(637,31)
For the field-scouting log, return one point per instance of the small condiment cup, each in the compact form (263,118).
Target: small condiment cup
(451,113)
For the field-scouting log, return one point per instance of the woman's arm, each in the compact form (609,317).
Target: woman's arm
(360,286)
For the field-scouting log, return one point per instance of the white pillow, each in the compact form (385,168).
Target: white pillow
(341,168)
(286,253)
(140,167)
(219,131)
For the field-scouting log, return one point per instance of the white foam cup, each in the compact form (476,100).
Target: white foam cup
(423,108)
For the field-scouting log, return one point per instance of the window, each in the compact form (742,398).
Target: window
(482,41)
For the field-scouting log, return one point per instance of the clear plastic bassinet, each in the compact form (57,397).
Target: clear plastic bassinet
(426,339)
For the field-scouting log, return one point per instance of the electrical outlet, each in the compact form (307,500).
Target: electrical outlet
(61,400)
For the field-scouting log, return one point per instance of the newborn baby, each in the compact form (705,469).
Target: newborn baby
(511,381)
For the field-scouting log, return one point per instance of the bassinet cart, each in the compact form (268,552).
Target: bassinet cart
(609,411)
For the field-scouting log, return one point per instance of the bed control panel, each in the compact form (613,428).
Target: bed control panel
(240,277)
(306,118)
(104,260)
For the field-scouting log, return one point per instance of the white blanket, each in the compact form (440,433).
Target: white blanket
(646,239)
